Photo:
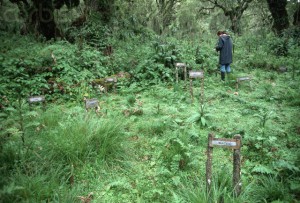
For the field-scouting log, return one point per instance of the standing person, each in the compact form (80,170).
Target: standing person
(224,46)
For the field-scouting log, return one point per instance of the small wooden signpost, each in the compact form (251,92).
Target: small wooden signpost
(193,74)
(282,69)
(234,144)
(111,80)
(37,99)
(182,66)
(241,79)
(92,103)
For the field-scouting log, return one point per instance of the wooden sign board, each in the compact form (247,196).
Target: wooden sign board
(227,143)
(111,80)
(282,69)
(180,65)
(35,99)
(243,78)
(196,74)
(91,103)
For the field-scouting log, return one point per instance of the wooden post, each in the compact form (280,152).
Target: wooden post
(180,65)
(191,90)
(237,85)
(237,185)
(209,163)
(185,73)
(202,92)
(176,73)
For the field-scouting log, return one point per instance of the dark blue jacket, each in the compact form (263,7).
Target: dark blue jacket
(225,47)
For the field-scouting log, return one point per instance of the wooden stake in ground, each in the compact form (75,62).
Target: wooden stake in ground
(237,185)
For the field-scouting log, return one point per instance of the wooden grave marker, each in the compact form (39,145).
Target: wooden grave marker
(282,69)
(242,79)
(234,144)
(194,74)
(111,80)
(37,99)
(92,103)
(182,66)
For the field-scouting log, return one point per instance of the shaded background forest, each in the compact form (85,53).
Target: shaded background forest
(104,25)
(53,19)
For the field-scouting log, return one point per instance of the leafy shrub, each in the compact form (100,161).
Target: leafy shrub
(176,155)
(93,32)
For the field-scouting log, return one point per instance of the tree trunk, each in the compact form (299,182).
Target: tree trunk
(279,15)
(43,17)
(106,9)
(235,19)
(296,16)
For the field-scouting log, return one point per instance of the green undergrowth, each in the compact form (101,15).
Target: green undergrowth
(147,141)
(159,153)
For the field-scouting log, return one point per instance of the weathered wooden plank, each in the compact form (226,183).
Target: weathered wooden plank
(180,65)
(196,74)
(111,80)
(35,99)
(227,143)
(91,103)
(245,78)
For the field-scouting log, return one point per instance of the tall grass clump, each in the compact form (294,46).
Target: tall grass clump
(66,139)
(270,189)
(221,190)
(80,137)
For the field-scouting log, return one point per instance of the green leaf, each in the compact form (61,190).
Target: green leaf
(263,169)
(203,121)
(194,118)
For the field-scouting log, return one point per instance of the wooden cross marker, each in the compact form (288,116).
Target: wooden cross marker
(194,74)
(242,79)
(282,69)
(234,144)
(111,80)
(37,99)
(92,103)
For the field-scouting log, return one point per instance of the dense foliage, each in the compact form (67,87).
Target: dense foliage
(147,140)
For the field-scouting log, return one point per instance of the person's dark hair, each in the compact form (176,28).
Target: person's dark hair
(220,32)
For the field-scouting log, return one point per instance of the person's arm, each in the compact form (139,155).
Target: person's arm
(220,44)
